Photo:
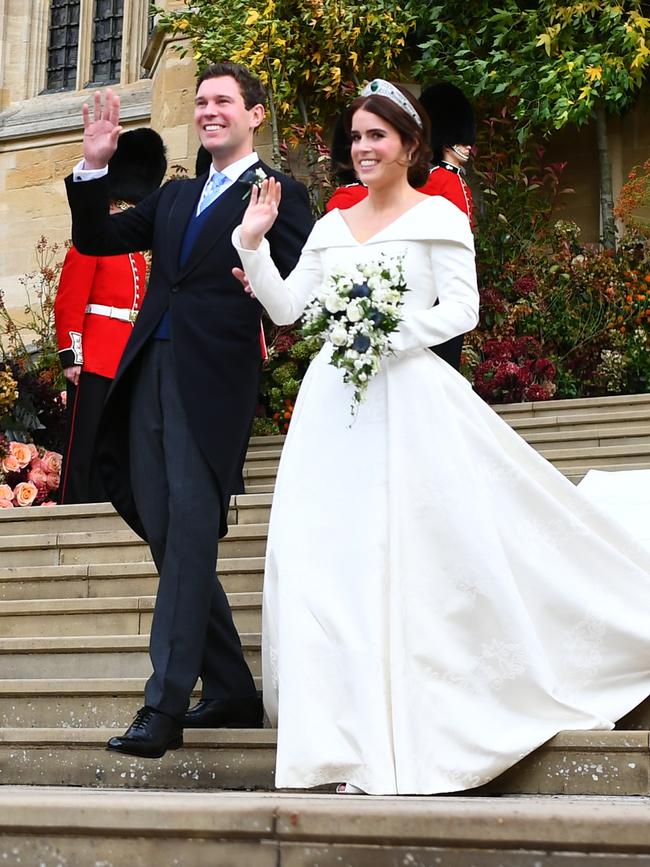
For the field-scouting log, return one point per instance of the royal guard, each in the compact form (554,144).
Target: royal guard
(453,133)
(96,304)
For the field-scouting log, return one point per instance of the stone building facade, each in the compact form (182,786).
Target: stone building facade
(54,53)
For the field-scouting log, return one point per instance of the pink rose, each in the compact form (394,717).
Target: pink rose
(48,503)
(5,504)
(10,464)
(21,452)
(25,493)
(37,475)
(34,452)
(53,480)
(51,462)
(6,493)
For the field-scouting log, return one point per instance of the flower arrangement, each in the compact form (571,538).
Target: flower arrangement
(513,371)
(31,379)
(283,417)
(29,476)
(356,310)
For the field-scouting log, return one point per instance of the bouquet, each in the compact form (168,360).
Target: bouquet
(29,475)
(356,310)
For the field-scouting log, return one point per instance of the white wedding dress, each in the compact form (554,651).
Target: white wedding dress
(438,599)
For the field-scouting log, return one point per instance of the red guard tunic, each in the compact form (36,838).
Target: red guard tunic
(444,180)
(94,341)
(94,309)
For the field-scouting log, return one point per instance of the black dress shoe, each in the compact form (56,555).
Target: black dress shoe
(149,736)
(231,713)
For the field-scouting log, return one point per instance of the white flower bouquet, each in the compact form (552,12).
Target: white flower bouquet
(356,310)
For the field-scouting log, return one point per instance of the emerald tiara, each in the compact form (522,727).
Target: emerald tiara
(381,87)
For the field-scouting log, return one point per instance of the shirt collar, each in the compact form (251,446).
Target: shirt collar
(234,170)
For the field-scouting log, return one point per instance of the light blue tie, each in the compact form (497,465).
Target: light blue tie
(211,191)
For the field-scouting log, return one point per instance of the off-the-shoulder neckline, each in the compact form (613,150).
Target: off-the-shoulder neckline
(385,228)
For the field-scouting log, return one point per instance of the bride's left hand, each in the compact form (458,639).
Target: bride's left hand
(260,214)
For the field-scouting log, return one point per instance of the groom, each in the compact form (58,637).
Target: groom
(179,414)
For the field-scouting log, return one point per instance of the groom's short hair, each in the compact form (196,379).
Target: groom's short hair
(252,89)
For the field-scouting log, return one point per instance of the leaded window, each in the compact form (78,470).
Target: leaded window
(63,45)
(107,41)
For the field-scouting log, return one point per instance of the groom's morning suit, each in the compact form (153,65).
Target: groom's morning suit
(197,391)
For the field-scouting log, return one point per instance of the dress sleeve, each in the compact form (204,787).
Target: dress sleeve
(72,294)
(284,300)
(454,274)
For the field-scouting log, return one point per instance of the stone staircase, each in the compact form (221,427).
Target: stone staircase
(76,597)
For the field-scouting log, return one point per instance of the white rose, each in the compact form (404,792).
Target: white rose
(334,303)
(339,336)
(353,311)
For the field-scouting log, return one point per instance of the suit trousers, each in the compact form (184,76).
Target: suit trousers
(177,497)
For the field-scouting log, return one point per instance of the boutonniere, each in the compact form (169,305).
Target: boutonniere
(254,178)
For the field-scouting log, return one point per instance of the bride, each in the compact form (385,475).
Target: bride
(438,599)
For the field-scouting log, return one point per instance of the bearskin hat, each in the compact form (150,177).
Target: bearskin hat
(340,153)
(137,167)
(451,115)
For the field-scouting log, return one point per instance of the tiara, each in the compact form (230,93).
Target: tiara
(381,87)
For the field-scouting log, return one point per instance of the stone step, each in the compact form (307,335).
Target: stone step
(102,517)
(261,487)
(263,457)
(113,546)
(259,476)
(620,456)
(256,443)
(55,826)
(632,419)
(590,438)
(111,702)
(126,615)
(112,656)
(237,575)
(73,703)
(573,406)
(572,763)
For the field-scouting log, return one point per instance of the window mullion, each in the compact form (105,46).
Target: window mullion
(85,43)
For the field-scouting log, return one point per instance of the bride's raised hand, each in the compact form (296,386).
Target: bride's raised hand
(102,131)
(261,213)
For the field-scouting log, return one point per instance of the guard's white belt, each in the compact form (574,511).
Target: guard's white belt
(123,313)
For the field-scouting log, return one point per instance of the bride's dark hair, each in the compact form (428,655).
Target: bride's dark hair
(413,135)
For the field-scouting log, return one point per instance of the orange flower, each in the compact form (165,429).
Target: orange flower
(10,464)
(6,493)
(25,493)
(21,452)
(51,462)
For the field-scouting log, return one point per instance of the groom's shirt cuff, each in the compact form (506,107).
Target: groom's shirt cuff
(79,173)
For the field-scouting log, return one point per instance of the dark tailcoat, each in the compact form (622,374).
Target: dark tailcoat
(214,323)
